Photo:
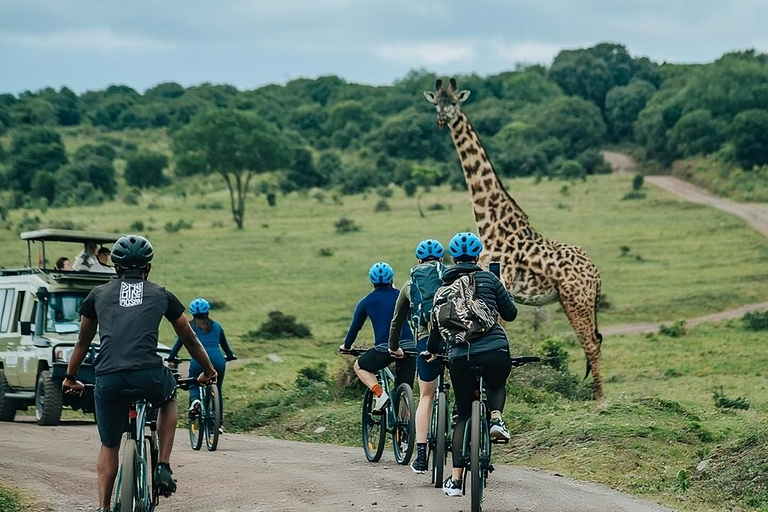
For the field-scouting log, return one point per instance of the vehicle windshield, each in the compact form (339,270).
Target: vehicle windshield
(63,312)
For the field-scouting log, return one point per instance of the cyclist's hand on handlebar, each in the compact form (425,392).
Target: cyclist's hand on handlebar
(74,387)
(207,379)
(344,349)
(397,353)
(428,356)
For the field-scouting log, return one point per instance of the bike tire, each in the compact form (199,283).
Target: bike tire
(441,440)
(127,491)
(404,431)
(212,418)
(196,430)
(477,481)
(374,427)
(153,448)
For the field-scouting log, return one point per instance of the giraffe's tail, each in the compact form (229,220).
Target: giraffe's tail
(598,336)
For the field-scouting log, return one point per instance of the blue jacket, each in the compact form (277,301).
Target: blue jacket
(379,306)
(211,342)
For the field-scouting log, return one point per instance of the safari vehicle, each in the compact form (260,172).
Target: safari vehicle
(39,324)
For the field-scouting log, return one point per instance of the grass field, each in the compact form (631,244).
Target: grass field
(660,260)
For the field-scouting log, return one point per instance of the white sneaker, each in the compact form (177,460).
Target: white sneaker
(452,487)
(499,430)
(195,406)
(381,402)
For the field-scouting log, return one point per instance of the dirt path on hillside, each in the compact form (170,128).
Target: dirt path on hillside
(756,215)
(251,473)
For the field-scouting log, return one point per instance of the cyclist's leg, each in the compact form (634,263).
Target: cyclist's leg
(498,365)
(368,364)
(463,392)
(405,371)
(428,373)
(112,418)
(194,370)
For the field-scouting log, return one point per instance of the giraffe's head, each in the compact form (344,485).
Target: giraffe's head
(446,101)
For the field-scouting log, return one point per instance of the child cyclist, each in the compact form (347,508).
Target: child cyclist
(379,306)
(415,303)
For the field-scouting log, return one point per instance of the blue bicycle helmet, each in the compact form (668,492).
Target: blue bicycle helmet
(199,306)
(429,248)
(465,246)
(381,273)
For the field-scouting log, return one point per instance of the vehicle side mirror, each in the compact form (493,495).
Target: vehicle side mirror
(25,328)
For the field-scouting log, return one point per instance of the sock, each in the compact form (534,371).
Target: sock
(377,390)
(421,451)
(496,415)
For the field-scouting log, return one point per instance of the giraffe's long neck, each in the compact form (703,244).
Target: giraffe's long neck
(491,203)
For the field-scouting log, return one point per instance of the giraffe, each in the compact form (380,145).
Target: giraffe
(536,270)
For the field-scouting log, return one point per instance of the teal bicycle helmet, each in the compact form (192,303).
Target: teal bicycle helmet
(465,246)
(199,306)
(381,273)
(429,248)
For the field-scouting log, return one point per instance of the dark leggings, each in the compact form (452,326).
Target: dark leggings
(496,367)
(196,369)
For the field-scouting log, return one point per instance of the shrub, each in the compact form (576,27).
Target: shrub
(756,320)
(280,325)
(638,181)
(346,225)
(9,501)
(675,330)
(173,227)
(384,192)
(634,194)
(436,207)
(346,382)
(145,169)
(316,372)
(131,198)
(409,187)
(65,224)
(137,226)
(325,251)
(553,354)
(723,402)
(382,206)
(602,302)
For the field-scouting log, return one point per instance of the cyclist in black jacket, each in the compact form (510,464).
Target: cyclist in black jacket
(489,350)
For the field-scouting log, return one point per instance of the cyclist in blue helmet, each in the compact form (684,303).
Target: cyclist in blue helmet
(211,335)
(489,350)
(415,304)
(379,306)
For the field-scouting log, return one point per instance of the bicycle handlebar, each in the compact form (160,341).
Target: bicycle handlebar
(361,351)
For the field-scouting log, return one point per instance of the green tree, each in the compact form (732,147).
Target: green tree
(622,105)
(145,169)
(303,173)
(424,176)
(235,145)
(577,123)
(696,133)
(749,134)
(34,150)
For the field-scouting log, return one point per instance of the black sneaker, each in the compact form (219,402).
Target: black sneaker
(166,485)
(419,466)
(452,487)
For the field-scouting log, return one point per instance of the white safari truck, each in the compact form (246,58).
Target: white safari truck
(39,323)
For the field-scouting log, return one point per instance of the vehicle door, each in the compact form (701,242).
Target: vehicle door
(10,338)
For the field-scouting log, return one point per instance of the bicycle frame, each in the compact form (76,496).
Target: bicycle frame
(485,455)
(138,414)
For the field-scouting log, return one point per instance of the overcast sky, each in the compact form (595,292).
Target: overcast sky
(89,44)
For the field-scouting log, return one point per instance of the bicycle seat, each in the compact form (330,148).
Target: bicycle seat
(133,394)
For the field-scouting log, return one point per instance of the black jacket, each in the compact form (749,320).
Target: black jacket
(490,290)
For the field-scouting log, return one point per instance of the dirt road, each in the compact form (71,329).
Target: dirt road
(756,215)
(250,473)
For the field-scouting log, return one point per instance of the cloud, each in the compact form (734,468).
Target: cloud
(93,39)
(432,53)
(527,52)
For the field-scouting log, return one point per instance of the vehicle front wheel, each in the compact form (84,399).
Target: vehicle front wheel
(7,405)
(48,400)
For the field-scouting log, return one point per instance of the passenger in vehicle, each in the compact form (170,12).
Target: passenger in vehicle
(88,260)
(63,263)
(103,256)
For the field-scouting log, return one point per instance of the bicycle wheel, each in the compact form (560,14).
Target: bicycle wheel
(196,429)
(153,449)
(374,429)
(125,496)
(441,440)
(212,418)
(404,432)
(476,473)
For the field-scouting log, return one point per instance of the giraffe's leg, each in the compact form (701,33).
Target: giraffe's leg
(581,313)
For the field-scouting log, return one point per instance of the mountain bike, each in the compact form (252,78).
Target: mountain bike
(440,435)
(397,419)
(204,423)
(476,443)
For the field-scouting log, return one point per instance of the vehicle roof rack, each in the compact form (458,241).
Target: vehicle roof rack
(68,235)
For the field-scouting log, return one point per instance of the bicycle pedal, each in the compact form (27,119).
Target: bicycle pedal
(495,440)
(490,468)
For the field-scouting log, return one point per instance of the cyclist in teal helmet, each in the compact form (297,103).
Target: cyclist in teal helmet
(415,303)
(211,335)
(379,305)
(490,350)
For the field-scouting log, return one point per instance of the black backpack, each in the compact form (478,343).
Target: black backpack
(458,314)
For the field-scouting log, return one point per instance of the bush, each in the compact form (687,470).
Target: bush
(346,382)
(553,354)
(634,194)
(9,501)
(137,226)
(173,227)
(723,402)
(325,251)
(756,320)
(409,187)
(131,198)
(675,330)
(316,372)
(382,206)
(384,192)
(280,325)
(436,207)
(638,181)
(346,225)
